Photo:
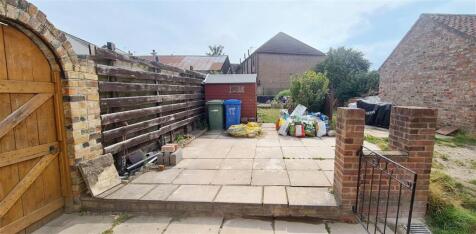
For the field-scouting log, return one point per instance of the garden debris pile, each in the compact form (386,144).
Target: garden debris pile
(251,129)
(302,124)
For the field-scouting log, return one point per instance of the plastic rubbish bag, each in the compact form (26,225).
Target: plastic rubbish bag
(250,129)
(299,130)
(298,111)
(321,131)
(283,129)
(310,129)
(279,123)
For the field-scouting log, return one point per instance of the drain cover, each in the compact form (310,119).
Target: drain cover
(419,228)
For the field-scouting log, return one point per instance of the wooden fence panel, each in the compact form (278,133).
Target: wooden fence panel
(142,102)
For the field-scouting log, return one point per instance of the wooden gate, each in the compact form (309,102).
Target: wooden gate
(30,133)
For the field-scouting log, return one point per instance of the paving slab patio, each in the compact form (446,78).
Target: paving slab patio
(196,225)
(240,194)
(215,166)
(289,227)
(194,193)
(186,224)
(143,224)
(240,225)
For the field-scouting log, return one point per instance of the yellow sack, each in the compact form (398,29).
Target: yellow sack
(251,129)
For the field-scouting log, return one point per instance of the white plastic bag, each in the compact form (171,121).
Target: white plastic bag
(322,129)
(298,111)
(283,130)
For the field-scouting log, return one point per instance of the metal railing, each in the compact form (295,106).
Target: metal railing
(385,193)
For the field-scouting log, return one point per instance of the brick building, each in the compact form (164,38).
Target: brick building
(234,86)
(276,60)
(435,66)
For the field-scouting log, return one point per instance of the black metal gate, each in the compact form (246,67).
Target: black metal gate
(385,194)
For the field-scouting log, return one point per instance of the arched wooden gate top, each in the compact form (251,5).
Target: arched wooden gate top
(43,84)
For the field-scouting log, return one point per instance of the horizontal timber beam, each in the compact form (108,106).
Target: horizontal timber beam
(132,114)
(125,130)
(120,146)
(105,86)
(19,86)
(16,156)
(140,100)
(145,75)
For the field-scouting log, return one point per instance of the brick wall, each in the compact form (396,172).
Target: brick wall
(412,129)
(79,89)
(349,138)
(433,67)
(248,97)
(274,70)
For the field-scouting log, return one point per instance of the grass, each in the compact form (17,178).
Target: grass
(381,142)
(121,218)
(268,115)
(451,207)
(459,140)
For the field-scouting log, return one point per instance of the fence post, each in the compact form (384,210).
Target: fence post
(412,130)
(349,139)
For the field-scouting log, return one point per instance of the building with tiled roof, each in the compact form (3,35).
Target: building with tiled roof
(277,60)
(434,65)
(201,63)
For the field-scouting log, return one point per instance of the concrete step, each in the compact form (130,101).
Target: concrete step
(332,212)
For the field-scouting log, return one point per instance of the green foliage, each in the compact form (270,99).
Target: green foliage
(348,73)
(451,206)
(459,140)
(268,115)
(215,50)
(381,142)
(309,89)
(283,93)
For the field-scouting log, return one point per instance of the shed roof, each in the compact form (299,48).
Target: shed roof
(282,43)
(230,78)
(198,62)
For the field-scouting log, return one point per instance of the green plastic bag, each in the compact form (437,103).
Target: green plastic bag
(310,130)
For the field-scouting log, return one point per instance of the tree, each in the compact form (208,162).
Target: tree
(215,50)
(348,73)
(309,89)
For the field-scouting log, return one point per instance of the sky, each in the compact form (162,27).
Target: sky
(188,27)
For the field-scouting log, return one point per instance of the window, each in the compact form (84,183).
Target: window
(237,89)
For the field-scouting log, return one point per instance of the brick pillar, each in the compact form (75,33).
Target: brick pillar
(349,139)
(412,130)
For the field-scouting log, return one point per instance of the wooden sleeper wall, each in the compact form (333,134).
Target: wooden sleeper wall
(142,101)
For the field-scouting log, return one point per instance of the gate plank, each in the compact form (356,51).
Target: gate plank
(21,113)
(16,156)
(25,183)
(33,217)
(18,86)
(8,175)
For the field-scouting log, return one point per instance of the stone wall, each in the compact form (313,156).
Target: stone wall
(434,66)
(82,126)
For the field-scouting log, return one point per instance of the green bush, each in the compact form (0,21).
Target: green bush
(283,93)
(309,89)
(348,73)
